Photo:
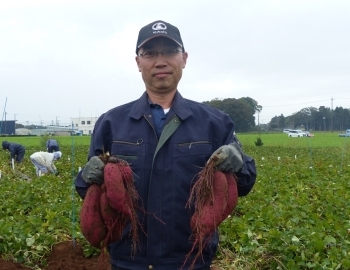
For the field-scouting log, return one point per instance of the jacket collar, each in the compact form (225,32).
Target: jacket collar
(179,106)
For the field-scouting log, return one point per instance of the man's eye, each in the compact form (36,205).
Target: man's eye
(150,53)
(170,52)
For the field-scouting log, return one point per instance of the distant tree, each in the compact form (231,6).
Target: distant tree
(341,118)
(239,110)
(253,104)
(274,123)
(282,121)
(278,122)
(320,123)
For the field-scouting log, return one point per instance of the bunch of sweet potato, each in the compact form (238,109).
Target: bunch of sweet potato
(107,208)
(214,196)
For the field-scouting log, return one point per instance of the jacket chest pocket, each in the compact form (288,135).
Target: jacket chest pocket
(192,148)
(128,150)
(190,157)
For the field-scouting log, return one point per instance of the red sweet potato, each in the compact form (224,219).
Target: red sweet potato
(232,195)
(208,218)
(130,191)
(91,222)
(114,221)
(122,197)
(130,200)
(126,172)
(210,196)
(113,180)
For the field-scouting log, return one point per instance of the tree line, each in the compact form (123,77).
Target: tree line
(242,112)
(321,119)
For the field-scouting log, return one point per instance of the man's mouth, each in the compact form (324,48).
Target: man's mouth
(161,74)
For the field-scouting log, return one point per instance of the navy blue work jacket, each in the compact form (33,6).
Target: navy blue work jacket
(164,170)
(14,148)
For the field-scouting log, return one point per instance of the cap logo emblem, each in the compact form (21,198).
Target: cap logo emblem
(159,26)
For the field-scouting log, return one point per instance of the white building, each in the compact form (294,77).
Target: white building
(54,130)
(85,125)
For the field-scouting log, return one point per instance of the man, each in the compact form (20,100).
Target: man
(44,162)
(16,150)
(52,146)
(166,139)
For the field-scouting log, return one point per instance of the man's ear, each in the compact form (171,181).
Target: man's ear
(184,58)
(137,59)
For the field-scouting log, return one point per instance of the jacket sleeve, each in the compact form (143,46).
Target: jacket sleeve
(80,185)
(12,151)
(52,168)
(246,177)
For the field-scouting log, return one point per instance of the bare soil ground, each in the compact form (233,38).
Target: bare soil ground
(64,256)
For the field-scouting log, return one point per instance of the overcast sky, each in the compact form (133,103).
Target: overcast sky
(61,59)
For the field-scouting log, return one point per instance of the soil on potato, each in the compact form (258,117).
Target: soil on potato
(64,256)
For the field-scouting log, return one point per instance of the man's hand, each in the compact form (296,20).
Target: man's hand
(228,158)
(93,171)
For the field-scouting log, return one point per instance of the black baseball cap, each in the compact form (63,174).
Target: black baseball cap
(159,29)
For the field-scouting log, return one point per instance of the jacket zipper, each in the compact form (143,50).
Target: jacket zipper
(192,143)
(155,134)
(138,142)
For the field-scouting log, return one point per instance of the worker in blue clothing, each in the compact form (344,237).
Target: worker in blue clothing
(166,139)
(52,145)
(16,150)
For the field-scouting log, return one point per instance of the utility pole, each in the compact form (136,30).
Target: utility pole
(258,124)
(5,122)
(332,114)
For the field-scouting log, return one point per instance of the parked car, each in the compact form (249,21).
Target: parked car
(296,133)
(346,134)
(286,130)
(308,134)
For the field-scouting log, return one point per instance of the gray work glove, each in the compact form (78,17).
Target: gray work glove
(229,158)
(93,171)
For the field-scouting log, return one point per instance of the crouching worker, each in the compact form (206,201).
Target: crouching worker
(44,162)
(52,146)
(16,150)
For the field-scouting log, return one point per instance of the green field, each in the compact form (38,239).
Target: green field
(296,217)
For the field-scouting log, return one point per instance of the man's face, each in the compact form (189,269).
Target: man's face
(161,72)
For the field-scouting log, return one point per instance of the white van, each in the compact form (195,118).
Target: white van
(296,133)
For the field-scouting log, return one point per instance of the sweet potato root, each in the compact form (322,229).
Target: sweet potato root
(232,200)
(91,222)
(108,208)
(113,180)
(122,197)
(114,220)
(214,196)
(206,220)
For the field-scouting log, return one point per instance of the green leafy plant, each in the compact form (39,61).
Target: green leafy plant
(258,142)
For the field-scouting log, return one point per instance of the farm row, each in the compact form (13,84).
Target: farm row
(296,217)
